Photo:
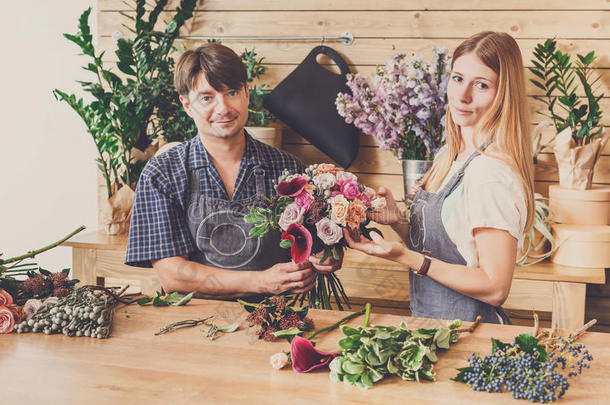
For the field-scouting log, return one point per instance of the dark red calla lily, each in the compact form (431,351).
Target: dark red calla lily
(293,187)
(301,242)
(306,358)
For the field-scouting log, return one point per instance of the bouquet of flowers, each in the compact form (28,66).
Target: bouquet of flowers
(405,107)
(312,209)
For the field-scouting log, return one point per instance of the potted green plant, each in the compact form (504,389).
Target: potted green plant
(259,118)
(579,139)
(128,113)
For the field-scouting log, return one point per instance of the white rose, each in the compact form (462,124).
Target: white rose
(328,231)
(292,214)
(324,180)
(279,360)
(344,176)
(378,203)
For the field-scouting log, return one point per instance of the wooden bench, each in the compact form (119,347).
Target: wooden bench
(546,287)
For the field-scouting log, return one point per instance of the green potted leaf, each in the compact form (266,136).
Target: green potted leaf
(131,111)
(576,120)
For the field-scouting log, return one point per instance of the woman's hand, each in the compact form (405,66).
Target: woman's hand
(390,214)
(377,247)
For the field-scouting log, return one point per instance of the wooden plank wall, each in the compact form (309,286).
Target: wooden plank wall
(383,28)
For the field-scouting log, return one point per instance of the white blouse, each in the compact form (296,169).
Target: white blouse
(489,196)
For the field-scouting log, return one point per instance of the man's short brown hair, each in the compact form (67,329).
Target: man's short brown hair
(221,67)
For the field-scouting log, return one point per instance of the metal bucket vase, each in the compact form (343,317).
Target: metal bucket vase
(412,171)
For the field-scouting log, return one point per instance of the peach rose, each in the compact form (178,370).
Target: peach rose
(356,214)
(5,298)
(339,206)
(327,168)
(7,320)
(310,188)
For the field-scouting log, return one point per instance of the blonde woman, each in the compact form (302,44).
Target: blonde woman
(477,199)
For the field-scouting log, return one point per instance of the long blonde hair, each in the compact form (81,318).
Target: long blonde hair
(507,119)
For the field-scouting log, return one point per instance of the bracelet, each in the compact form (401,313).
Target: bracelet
(423,270)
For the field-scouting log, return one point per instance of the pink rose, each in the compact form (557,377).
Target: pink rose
(292,215)
(50,301)
(31,306)
(350,189)
(345,176)
(7,320)
(370,193)
(328,231)
(304,200)
(5,298)
(365,200)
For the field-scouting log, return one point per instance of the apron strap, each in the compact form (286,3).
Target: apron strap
(259,175)
(195,182)
(457,177)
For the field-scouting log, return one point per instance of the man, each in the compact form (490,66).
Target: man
(187,219)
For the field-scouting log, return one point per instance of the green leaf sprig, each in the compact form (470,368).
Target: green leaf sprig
(170,299)
(373,353)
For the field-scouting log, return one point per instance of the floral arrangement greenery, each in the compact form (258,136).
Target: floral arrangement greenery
(531,368)
(129,112)
(556,76)
(404,108)
(369,354)
(312,210)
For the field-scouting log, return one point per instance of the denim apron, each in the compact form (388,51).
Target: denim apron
(429,298)
(221,233)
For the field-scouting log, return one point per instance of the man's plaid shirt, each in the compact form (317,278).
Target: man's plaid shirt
(158,223)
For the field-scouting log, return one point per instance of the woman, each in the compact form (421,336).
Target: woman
(477,199)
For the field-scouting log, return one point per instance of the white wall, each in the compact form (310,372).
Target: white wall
(47,167)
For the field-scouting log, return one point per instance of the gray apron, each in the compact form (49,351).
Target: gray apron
(429,298)
(221,233)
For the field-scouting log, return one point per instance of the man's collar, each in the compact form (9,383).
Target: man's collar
(199,156)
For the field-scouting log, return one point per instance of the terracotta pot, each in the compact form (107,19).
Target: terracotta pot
(580,207)
(582,245)
(268,135)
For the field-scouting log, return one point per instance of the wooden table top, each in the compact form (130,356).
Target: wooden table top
(184,367)
(545,271)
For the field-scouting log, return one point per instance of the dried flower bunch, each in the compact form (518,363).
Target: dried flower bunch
(274,314)
(404,108)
